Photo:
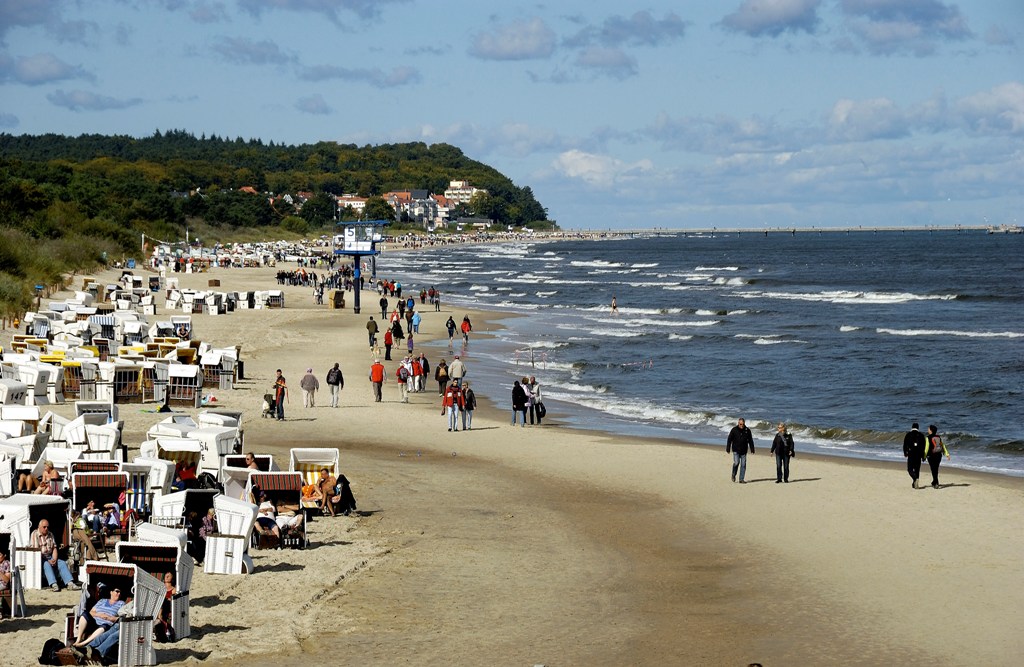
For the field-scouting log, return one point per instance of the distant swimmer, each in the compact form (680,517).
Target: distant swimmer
(615,306)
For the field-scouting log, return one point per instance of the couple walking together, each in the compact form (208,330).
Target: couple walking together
(918,447)
(741,440)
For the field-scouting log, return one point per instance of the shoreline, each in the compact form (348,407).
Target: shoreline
(563,546)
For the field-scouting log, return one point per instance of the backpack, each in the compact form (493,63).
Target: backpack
(332,376)
(48,656)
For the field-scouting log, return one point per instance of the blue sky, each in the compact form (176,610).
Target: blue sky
(739,113)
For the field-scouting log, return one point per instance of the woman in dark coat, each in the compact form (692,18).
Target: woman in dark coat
(518,402)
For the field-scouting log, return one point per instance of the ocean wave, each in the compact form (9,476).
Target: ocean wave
(673,336)
(595,262)
(774,341)
(545,295)
(847,328)
(716,268)
(479,288)
(941,332)
(658,323)
(626,310)
(616,333)
(644,266)
(849,297)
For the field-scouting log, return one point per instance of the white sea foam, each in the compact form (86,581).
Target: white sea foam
(941,332)
(849,297)
(479,288)
(673,336)
(775,341)
(595,262)
(643,322)
(614,334)
(848,328)
(545,295)
(644,266)
(716,268)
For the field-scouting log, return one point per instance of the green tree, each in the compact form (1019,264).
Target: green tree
(378,209)
(318,210)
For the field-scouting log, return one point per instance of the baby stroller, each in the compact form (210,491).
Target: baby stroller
(268,405)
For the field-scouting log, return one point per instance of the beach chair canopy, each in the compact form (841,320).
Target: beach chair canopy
(21,513)
(277,485)
(149,593)
(309,461)
(100,487)
(151,532)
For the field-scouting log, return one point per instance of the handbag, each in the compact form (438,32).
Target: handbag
(541,410)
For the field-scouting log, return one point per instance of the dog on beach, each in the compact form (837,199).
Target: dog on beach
(375,351)
(268,405)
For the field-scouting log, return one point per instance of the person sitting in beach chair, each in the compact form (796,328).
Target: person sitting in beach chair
(326,491)
(99,619)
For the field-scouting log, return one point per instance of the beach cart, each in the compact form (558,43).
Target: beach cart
(135,643)
(20,514)
(227,551)
(158,550)
(13,597)
(284,490)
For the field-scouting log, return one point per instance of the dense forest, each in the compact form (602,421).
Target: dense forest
(68,202)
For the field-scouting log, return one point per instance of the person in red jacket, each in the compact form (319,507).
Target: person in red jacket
(377,378)
(453,403)
(389,340)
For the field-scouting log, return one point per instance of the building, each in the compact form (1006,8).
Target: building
(461,191)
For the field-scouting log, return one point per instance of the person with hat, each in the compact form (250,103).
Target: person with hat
(309,386)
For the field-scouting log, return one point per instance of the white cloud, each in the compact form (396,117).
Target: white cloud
(999,110)
(773,17)
(520,40)
(598,170)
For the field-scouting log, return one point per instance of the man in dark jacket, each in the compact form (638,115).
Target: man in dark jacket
(913,450)
(740,439)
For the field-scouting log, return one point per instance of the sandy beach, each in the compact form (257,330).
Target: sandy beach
(545,545)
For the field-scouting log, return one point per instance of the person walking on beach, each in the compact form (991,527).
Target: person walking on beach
(451,405)
(336,382)
(913,450)
(467,326)
(782,447)
(441,375)
(457,371)
(518,402)
(280,394)
(402,375)
(377,379)
(933,450)
(409,342)
(451,326)
(383,308)
(421,381)
(740,440)
(469,404)
(309,386)
(389,341)
(371,329)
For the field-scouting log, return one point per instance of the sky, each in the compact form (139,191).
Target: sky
(727,114)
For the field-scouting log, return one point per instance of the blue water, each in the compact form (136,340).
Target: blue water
(847,337)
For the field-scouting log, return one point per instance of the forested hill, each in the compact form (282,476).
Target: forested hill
(178,162)
(67,202)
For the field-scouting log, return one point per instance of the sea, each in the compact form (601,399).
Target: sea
(848,337)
